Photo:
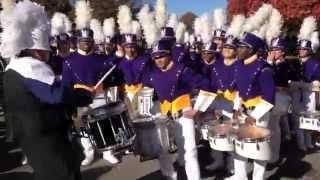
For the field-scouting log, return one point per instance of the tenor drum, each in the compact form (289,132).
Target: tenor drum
(253,142)
(221,137)
(152,136)
(310,120)
(145,102)
(108,127)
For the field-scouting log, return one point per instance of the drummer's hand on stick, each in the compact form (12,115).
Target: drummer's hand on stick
(250,121)
(190,114)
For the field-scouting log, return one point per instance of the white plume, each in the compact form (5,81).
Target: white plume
(57,24)
(152,34)
(315,41)
(219,19)
(275,25)
(83,14)
(181,28)
(124,19)
(197,26)
(7,9)
(109,27)
(236,25)
(67,24)
(96,27)
(308,26)
(136,28)
(186,38)
(18,34)
(254,22)
(143,14)
(173,21)
(7,6)
(262,31)
(150,29)
(161,13)
(192,39)
(206,28)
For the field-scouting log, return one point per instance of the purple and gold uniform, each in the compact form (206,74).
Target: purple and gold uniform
(132,72)
(174,93)
(82,72)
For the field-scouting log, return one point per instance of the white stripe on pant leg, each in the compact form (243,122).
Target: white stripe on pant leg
(166,166)
(259,168)
(180,143)
(191,155)
(240,171)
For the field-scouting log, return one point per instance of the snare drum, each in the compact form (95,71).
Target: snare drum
(108,127)
(253,142)
(221,137)
(152,136)
(310,120)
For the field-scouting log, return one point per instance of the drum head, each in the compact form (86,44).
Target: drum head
(108,110)
(147,121)
(223,129)
(252,132)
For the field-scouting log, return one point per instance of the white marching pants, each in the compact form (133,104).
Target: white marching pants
(259,167)
(187,151)
(282,103)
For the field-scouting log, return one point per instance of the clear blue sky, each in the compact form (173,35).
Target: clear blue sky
(197,6)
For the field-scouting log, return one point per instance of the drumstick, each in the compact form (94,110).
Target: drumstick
(230,115)
(104,76)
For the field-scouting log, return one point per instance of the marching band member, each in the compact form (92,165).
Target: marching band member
(304,95)
(110,38)
(39,117)
(219,23)
(132,64)
(222,76)
(77,75)
(281,72)
(173,84)
(256,92)
(109,60)
(60,26)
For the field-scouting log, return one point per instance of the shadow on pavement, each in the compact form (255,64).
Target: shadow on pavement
(8,160)
(94,173)
(294,166)
(16,176)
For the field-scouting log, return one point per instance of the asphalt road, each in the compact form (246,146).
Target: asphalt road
(295,165)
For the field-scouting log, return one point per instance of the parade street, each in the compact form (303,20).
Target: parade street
(294,166)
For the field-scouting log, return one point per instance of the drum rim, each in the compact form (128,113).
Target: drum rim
(252,140)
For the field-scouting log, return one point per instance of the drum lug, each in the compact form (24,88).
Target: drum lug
(258,146)
(214,141)
(242,147)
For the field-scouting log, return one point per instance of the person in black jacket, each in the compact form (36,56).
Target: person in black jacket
(34,100)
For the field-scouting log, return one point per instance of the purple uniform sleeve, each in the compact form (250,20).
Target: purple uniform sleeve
(267,84)
(194,80)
